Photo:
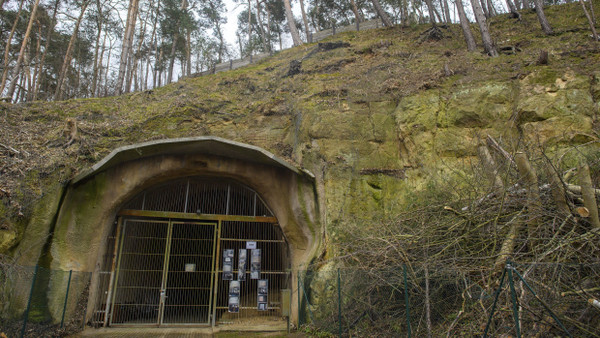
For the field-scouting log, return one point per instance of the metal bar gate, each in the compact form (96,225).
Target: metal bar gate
(163,265)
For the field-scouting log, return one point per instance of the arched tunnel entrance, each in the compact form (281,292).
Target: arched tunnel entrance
(194,251)
(163,225)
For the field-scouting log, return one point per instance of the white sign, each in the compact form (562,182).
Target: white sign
(250,245)
(190,267)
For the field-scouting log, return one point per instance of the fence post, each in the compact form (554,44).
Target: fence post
(35,272)
(513,295)
(62,321)
(406,301)
(230,64)
(339,280)
(487,326)
(299,301)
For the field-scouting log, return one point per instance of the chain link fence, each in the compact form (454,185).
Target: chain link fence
(418,301)
(36,301)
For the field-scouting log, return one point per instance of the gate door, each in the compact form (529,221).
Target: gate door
(139,272)
(188,279)
(164,273)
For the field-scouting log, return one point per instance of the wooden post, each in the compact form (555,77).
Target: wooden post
(558,191)
(529,177)
(490,167)
(588,194)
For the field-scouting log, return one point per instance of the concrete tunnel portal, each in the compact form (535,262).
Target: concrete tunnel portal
(188,232)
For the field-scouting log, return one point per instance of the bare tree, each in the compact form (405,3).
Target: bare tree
(58,94)
(382,14)
(539,10)
(127,43)
(304,19)
(465,25)
(488,45)
(7,47)
(291,23)
(591,20)
(17,69)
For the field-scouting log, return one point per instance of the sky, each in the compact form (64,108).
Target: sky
(234,9)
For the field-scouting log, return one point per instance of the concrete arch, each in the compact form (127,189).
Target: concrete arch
(93,198)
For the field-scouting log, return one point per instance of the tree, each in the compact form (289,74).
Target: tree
(382,14)
(17,69)
(127,43)
(539,10)
(292,23)
(488,45)
(67,59)
(465,25)
(8,45)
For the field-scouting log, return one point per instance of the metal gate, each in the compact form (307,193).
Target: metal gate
(166,265)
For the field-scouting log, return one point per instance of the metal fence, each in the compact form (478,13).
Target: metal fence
(36,301)
(416,301)
(313,37)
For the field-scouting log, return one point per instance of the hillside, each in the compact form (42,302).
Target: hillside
(392,123)
(349,94)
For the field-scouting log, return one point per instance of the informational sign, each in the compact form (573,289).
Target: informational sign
(263,294)
(228,255)
(255,264)
(189,267)
(242,262)
(234,297)
(250,245)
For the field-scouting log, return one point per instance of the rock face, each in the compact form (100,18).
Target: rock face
(365,119)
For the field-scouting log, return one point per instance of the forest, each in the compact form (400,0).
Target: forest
(64,49)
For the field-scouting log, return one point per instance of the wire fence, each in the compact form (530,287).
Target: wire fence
(36,301)
(416,301)
(312,38)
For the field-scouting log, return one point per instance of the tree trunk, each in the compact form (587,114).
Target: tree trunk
(174,46)
(464,24)
(558,191)
(446,11)
(17,69)
(431,12)
(107,69)
(588,194)
(484,9)
(266,44)
(32,81)
(485,33)
(65,66)
(291,23)
(7,48)
(491,9)
(357,14)
(188,68)
(153,47)
(97,49)
(591,20)
(249,46)
(490,167)
(96,93)
(539,10)
(534,204)
(382,14)
(513,9)
(127,43)
(38,82)
(305,19)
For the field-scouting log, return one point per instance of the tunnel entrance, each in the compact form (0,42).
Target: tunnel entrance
(175,255)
